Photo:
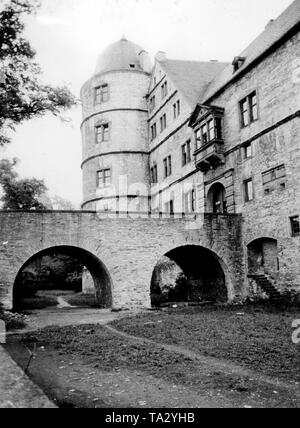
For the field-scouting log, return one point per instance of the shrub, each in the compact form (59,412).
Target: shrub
(38,302)
(291,298)
(13,321)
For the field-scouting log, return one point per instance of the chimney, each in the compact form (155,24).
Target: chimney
(145,61)
(161,56)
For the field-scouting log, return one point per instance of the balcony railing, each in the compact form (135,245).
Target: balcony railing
(210,155)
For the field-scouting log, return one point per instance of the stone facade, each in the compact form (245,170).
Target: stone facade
(274,139)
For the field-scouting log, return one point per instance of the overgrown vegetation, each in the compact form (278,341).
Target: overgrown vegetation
(12,321)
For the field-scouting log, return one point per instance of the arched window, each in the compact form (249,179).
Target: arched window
(216,199)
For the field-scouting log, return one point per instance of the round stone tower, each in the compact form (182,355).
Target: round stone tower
(115,131)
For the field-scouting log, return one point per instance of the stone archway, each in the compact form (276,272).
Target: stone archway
(263,257)
(99,273)
(216,199)
(189,273)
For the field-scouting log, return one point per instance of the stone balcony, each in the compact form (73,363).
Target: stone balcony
(210,155)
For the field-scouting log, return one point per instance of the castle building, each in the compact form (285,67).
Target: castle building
(187,137)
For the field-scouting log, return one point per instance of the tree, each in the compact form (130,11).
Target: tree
(22,94)
(19,194)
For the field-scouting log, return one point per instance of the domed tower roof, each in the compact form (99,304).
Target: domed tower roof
(123,55)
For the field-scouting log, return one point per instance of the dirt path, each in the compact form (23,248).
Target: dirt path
(216,364)
(67,316)
(62,304)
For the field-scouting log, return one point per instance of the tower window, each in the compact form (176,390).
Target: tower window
(168,166)
(102,133)
(249,191)
(295,225)
(249,110)
(103,178)
(101,94)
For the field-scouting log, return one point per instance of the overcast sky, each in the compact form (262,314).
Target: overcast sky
(68,35)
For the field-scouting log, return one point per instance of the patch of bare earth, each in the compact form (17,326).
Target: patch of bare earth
(258,338)
(216,358)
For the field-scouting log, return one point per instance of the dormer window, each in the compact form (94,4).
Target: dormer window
(238,62)
(132,65)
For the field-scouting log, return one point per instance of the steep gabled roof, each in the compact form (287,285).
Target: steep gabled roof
(191,78)
(273,33)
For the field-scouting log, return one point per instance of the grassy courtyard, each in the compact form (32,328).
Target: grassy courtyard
(192,357)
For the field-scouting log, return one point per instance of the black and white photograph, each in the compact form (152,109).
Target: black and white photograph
(149,207)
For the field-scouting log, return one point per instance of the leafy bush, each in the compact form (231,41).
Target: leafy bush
(38,302)
(291,298)
(13,321)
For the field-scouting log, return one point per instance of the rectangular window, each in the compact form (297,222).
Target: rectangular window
(176,109)
(248,151)
(249,109)
(163,123)
(101,94)
(102,133)
(204,134)
(249,192)
(211,130)
(186,153)
(245,113)
(154,174)
(190,202)
(153,131)
(152,103)
(295,225)
(168,166)
(103,178)
(164,90)
(253,108)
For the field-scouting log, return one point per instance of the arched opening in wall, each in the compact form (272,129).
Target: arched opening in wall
(263,257)
(216,199)
(62,276)
(189,274)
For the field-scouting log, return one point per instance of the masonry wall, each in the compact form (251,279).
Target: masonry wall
(277,84)
(129,248)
